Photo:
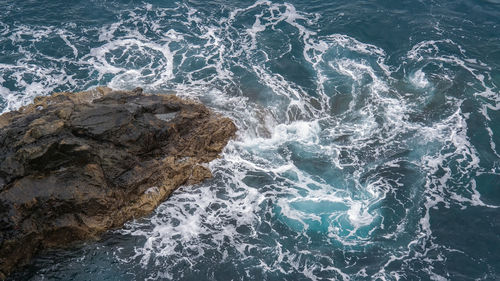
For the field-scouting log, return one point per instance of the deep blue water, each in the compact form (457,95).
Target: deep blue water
(368,144)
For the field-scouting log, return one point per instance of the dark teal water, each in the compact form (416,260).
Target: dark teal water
(369,133)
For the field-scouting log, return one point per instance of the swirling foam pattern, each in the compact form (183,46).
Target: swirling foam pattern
(368,141)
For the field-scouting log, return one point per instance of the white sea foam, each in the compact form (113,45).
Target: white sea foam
(418,79)
(299,160)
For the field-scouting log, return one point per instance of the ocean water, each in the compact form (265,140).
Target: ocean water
(368,144)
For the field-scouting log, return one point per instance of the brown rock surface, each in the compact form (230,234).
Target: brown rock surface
(75,165)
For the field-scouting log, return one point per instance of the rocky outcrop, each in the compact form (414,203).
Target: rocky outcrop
(75,165)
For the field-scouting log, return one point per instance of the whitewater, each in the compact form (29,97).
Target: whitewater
(367,144)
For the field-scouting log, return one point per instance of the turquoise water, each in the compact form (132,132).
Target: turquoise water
(368,143)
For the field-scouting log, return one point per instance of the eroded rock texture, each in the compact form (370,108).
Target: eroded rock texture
(75,165)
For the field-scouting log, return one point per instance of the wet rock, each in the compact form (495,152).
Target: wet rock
(75,165)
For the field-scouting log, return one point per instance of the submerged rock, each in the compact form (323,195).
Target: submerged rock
(75,165)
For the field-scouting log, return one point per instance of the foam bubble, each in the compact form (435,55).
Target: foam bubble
(418,79)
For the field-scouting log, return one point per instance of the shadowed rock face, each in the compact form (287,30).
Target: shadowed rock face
(75,165)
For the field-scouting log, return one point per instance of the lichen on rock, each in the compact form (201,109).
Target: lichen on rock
(75,165)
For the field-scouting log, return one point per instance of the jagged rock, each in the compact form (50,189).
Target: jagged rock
(75,165)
